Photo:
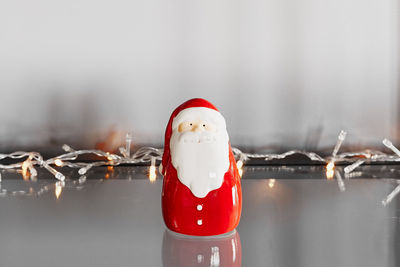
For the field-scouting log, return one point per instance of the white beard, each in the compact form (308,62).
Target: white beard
(201,159)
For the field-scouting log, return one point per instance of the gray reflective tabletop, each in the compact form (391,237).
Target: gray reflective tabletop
(117,221)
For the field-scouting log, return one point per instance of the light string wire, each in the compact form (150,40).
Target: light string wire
(151,155)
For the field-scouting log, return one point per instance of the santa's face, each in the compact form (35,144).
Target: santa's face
(200,149)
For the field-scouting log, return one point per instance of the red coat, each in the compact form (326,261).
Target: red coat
(217,213)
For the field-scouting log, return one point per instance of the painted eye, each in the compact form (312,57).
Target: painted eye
(204,125)
(191,124)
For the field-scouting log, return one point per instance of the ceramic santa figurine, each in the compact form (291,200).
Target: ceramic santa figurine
(201,191)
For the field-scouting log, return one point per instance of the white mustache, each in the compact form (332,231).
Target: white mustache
(197,137)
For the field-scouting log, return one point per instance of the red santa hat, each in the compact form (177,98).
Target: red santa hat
(180,114)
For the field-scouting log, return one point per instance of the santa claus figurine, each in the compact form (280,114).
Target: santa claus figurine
(201,191)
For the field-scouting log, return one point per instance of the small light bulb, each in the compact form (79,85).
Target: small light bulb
(67,148)
(351,167)
(58,162)
(60,176)
(109,157)
(25,166)
(330,166)
(152,174)
(390,145)
(330,170)
(32,171)
(152,170)
(341,137)
(58,189)
(271,183)
(82,170)
(240,163)
(387,142)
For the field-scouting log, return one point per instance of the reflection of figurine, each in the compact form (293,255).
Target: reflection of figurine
(180,250)
(201,192)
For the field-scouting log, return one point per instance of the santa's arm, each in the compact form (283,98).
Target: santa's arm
(161,168)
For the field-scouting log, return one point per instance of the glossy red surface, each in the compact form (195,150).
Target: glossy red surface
(218,212)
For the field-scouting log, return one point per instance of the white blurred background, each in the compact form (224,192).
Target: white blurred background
(284,73)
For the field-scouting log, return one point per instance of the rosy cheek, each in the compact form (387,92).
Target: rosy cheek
(183,128)
(210,128)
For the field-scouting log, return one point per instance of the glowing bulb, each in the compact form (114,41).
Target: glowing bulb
(60,176)
(152,174)
(330,170)
(58,162)
(25,166)
(58,190)
(240,163)
(32,171)
(152,170)
(330,166)
(109,157)
(82,171)
(271,183)
(329,174)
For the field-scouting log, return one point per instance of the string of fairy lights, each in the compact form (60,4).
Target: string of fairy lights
(30,160)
